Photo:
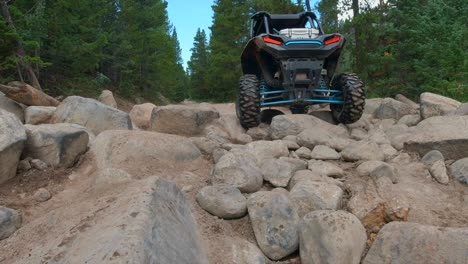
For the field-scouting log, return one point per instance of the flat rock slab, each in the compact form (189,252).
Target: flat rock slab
(56,144)
(274,222)
(447,134)
(12,139)
(142,153)
(148,221)
(400,242)
(92,114)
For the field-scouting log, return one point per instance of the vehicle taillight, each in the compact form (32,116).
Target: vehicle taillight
(335,39)
(272,41)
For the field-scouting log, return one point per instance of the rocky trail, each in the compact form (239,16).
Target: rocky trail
(85,182)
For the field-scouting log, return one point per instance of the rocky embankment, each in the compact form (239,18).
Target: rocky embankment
(85,182)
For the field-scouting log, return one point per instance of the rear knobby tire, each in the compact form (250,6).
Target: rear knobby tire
(248,102)
(354,98)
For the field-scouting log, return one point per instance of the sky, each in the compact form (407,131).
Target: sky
(187,16)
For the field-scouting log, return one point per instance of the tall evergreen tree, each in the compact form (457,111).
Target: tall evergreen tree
(198,67)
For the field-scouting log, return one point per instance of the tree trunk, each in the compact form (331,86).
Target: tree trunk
(20,52)
(28,95)
(308,5)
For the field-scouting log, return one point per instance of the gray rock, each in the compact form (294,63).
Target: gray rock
(358,134)
(263,150)
(407,101)
(12,138)
(277,172)
(92,114)
(230,124)
(291,145)
(223,201)
(365,168)
(24,165)
(242,251)
(111,176)
(409,120)
(240,170)
(260,132)
(391,108)
(321,152)
(462,110)
(35,115)
(418,244)
(312,137)
(398,134)
(308,196)
(11,106)
(384,123)
(10,221)
(143,153)
(384,171)
(363,123)
(378,136)
(284,125)
(218,153)
(57,144)
(205,145)
(434,161)
(459,170)
(362,150)
(297,164)
(304,153)
(106,97)
(372,105)
(39,164)
(325,168)
(307,175)
(186,120)
(326,116)
(42,195)
(389,151)
(141,114)
(436,105)
(331,237)
(274,222)
(447,134)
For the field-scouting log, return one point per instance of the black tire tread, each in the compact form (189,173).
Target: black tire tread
(248,102)
(354,98)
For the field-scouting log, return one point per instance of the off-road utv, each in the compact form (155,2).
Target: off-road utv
(291,62)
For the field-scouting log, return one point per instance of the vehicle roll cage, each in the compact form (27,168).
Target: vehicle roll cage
(264,22)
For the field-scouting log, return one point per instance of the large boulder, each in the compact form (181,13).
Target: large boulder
(106,97)
(278,172)
(241,251)
(11,106)
(407,101)
(284,125)
(462,110)
(147,221)
(459,170)
(12,138)
(143,153)
(263,150)
(10,221)
(437,105)
(372,105)
(231,125)
(92,114)
(308,196)
(447,134)
(418,244)
(332,237)
(362,150)
(274,222)
(57,144)
(313,137)
(35,115)
(391,108)
(238,169)
(223,201)
(141,114)
(186,120)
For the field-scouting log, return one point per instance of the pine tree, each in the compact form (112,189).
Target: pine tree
(198,67)
(229,34)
